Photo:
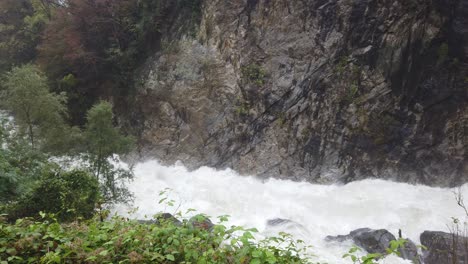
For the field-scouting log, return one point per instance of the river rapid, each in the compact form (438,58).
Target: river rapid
(316,211)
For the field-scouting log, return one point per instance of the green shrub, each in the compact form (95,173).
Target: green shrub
(372,258)
(254,73)
(351,93)
(69,195)
(122,241)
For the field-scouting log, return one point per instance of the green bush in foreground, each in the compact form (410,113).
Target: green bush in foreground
(70,195)
(123,241)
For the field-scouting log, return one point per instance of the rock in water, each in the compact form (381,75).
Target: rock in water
(444,248)
(278,221)
(373,241)
(377,241)
(410,252)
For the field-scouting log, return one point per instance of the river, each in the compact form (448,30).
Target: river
(316,210)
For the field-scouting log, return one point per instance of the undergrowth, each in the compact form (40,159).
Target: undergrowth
(120,240)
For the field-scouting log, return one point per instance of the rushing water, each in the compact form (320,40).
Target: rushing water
(318,210)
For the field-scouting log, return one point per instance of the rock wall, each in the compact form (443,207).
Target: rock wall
(317,90)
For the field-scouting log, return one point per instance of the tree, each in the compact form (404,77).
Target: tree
(20,166)
(103,141)
(21,25)
(37,111)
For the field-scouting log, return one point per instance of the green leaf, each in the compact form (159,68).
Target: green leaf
(255,261)
(170,257)
(257,253)
(11,251)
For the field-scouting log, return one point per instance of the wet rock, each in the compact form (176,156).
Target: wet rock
(299,89)
(339,238)
(168,218)
(444,248)
(410,252)
(201,222)
(373,241)
(377,241)
(162,218)
(278,222)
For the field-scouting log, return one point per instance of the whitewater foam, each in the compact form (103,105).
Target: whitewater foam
(318,210)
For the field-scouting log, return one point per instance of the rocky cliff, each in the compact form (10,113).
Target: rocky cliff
(317,90)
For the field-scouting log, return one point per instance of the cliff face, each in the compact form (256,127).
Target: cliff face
(317,90)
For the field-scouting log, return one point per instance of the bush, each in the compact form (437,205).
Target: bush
(254,73)
(69,195)
(121,241)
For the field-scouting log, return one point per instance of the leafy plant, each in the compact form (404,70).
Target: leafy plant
(123,241)
(372,258)
(70,195)
(254,73)
(351,93)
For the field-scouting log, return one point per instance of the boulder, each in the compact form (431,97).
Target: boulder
(278,221)
(162,219)
(168,218)
(373,241)
(377,241)
(410,252)
(201,222)
(444,248)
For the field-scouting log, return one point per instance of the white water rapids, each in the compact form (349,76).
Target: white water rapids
(318,210)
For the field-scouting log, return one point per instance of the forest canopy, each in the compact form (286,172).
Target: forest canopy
(89,49)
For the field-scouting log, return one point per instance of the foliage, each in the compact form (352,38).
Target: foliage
(103,140)
(122,241)
(8,178)
(23,168)
(351,93)
(254,73)
(371,258)
(342,64)
(70,195)
(101,43)
(20,30)
(98,42)
(242,109)
(38,112)
(19,164)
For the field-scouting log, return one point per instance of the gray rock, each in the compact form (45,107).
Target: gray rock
(444,248)
(278,222)
(168,218)
(299,89)
(373,241)
(410,252)
(377,241)
(201,222)
(162,218)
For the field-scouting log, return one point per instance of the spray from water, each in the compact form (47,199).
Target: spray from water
(314,211)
